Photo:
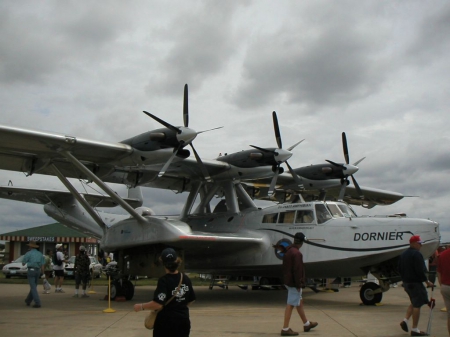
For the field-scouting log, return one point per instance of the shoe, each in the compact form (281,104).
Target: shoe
(76,295)
(56,290)
(311,325)
(288,333)
(27,303)
(61,291)
(404,326)
(85,295)
(36,306)
(420,333)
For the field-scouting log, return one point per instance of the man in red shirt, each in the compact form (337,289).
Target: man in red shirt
(294,280)
(443,274)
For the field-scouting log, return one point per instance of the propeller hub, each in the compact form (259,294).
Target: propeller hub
(186,135)
(350,169)
(282,155)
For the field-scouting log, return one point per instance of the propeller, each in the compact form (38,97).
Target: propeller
(280,156)
(347,170)
(184,137)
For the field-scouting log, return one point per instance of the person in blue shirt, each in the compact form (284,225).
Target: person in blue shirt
(35,262)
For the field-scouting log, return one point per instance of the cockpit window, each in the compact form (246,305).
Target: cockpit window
(286,217)
(304,217)
(322,213)
(348,212)
(270,218)
(335,211)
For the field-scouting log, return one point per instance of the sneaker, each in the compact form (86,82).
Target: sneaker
(420,333)
(311,325)
(27,303)
(56,290)
(76,295)
(84,295)
(61,291)
(404,326)
(288,333)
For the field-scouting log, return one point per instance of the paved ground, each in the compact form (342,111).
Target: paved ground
(218,312)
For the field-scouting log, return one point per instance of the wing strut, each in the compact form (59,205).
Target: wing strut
(103,186)
(79,198)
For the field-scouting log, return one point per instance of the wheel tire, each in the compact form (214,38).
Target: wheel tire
(367,295)
(128,289)
(116,288)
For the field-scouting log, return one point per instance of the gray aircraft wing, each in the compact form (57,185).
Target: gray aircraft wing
(45,196)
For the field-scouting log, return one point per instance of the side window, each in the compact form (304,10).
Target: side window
(270,218)
(286,217)
(322,213)
(335,211)
(304,217)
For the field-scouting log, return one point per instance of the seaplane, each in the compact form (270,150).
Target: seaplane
(230,237)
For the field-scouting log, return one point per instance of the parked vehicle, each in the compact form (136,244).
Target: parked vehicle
(15,268)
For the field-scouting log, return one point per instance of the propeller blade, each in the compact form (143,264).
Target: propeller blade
(344,145)
(277,130)
(202,166)
(273,183)
(292,147)
(297,179)
(358,189)
(167,164)
(185,106)
(359,161)
(262,149)
(167,125)
(220,127)
(335,164)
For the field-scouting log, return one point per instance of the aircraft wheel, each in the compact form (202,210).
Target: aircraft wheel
(115,289)
(128,289)
(367,294)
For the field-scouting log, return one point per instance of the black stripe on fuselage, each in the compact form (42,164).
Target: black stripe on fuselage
(346,249)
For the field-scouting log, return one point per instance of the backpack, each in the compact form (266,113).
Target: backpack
(56,261)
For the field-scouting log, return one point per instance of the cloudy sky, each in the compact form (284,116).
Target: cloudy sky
(378,70)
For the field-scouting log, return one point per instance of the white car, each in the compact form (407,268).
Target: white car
(15,268)
(95,267)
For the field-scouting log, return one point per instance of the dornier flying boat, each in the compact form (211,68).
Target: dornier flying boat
(235,237)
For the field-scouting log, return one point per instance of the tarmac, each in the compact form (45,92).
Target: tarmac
(231,312)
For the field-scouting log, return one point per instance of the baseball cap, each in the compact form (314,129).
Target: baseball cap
(59,245)
(415,238)
(169,255)
(82,249)
(299,237)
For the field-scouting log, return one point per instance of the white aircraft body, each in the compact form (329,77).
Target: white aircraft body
(236,237)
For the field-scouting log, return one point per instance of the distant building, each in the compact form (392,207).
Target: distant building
(47,237)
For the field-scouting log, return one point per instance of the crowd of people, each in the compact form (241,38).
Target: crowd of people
(174,291)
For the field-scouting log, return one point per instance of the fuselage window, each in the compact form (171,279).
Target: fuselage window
(335,211)
(270,218)
(322,213)
(286,217)
(348,212)
(304,217)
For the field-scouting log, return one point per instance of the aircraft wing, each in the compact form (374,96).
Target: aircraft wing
(32,151)
(42,197)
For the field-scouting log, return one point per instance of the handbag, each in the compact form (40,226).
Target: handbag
(150,319)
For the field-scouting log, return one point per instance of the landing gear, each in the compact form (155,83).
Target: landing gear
(371,293)
(122,288)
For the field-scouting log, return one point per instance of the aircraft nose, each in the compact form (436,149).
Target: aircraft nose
(282,155)
(350,169)
(186,135)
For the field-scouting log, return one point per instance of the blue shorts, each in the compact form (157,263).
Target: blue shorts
(417,294)
(294,296)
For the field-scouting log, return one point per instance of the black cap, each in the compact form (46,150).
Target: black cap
(169,255)
(299,237)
